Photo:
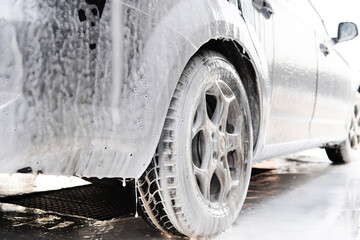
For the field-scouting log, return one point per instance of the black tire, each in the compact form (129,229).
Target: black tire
(198,179)
(348,150)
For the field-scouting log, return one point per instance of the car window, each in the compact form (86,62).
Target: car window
(322,27)
(305,10)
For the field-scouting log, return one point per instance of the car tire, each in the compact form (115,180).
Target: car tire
(198,179)
(348,150)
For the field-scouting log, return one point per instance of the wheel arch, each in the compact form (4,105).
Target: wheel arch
(235,54)
(220,26)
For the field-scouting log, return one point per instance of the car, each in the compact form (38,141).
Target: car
(182,96)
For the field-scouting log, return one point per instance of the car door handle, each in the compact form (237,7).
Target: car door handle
(264,7)
(324,49)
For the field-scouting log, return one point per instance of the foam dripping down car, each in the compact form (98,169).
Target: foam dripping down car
(184,96)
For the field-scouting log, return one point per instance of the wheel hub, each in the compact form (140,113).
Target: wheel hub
(222,145)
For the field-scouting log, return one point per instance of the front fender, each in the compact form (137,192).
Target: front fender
(219,20)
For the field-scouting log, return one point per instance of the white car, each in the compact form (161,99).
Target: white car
(184,96)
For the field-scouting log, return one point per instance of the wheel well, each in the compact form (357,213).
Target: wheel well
(242,63)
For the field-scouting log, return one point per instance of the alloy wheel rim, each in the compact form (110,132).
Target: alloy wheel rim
(216,140)
(354,133)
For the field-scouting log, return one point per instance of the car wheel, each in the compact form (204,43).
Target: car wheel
(199,176)
(348,150)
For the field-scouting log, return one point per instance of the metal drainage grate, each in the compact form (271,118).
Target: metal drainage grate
(90,201)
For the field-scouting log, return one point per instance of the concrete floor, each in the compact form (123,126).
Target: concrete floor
(301,196)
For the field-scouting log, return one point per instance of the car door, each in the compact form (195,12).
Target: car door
(294,78)
(335,92)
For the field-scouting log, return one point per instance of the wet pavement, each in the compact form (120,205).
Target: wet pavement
(301,196)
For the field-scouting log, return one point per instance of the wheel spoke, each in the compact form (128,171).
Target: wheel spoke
(224,114)
(204,181)
(220,115)
(356,113)
(207,150)
(233,141)
(352,138)
(221,112)
(223,173)
(200,120)
(357,118)
(354,121)
(351,134)
(356,141)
